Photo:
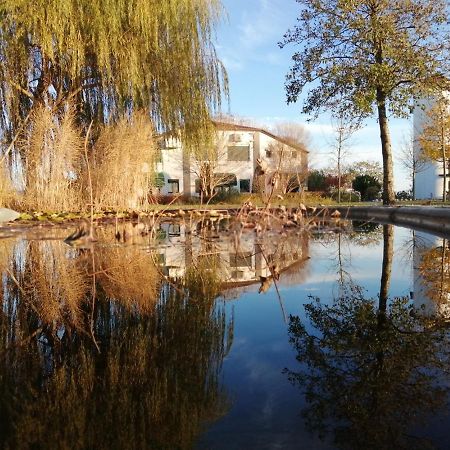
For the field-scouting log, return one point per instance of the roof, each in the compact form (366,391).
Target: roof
(225,126)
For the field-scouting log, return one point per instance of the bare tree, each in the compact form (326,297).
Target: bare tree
(413,162)
(293,133)
(290,157)
(344,127)
(212,167)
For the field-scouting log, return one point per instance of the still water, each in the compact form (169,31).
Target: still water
(329,337)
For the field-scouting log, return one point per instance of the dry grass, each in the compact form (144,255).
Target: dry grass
(122,164)
(52,151)
(8,195)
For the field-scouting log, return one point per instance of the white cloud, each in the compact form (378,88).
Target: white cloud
(265,25)
(232,63)
(259,25)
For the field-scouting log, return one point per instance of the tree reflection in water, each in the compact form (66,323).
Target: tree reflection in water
(155,381)
(433,273)
(372,369)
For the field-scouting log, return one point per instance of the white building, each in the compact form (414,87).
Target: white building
(241,154)
(429,179)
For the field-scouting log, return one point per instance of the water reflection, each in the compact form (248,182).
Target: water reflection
(241,257)
(371,369)
(120,344)
(97,352)
(431,255)
(128,342)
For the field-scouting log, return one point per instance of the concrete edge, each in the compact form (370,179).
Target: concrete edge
(426,218)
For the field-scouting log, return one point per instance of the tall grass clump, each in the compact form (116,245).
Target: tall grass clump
(8,194)
(52,159)
(122,164)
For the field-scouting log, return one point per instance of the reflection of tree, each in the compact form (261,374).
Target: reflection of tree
(154,383)
(435,272)
(371,370)
(347,235)
(365,234)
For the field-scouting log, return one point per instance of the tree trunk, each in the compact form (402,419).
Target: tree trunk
(339,174)
(444,158)
(388,253)
(444,189)
(386,149)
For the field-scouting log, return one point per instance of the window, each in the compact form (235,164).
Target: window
(159,179)
(160,259)
(210,260)
(294,155)
(268,153)
(198,186)
(238,153)
(225,179)
(242,259)
(174,186)
(174,229)
(237,274)
(244,185)
(234,137)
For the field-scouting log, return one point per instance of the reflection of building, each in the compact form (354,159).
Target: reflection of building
(431,272)
(239,263)
(240,153)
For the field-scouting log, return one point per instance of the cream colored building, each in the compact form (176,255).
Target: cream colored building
(243,154)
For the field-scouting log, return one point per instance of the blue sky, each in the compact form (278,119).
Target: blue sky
(247,43)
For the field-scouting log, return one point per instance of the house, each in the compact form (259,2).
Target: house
(243,158)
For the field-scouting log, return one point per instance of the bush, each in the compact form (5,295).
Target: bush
(316,181)
(368,185)
(230,196)
(403,195)
(347,196)
(372,193)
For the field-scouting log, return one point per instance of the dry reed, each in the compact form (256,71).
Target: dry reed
(52,150)
(8,195)
(122,164)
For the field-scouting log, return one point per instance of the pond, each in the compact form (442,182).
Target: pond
(217,336)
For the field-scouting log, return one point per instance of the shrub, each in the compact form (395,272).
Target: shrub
(403,195)
(368,185)
(347,196)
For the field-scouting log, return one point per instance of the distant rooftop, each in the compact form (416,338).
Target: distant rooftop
(227,126)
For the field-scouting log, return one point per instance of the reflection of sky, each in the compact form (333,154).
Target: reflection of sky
(265,412)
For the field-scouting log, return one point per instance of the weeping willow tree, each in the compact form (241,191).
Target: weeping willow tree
(110,57)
